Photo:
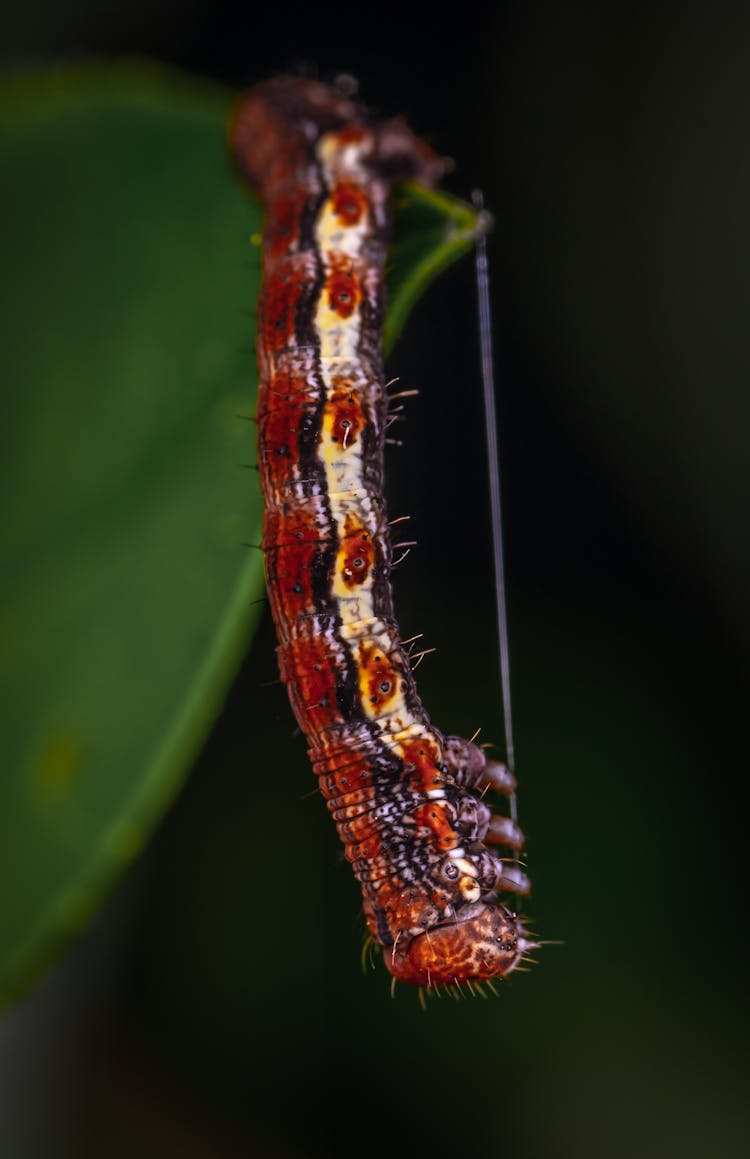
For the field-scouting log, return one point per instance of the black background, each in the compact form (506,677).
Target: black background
(217,1006)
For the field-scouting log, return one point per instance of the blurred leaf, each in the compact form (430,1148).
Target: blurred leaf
(432,231)
(127,589)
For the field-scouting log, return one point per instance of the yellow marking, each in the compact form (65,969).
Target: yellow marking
(346,239)
(345,462)
(400,739)
(469,888)
(352,607)
(344,468)
(360,379)
(340,162)
(339,336)
(351,611)
(365,626)
(362,594)
(395,711)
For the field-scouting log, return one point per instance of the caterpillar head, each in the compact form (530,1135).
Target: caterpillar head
(486,940)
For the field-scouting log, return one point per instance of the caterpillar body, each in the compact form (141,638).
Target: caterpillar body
(405,798)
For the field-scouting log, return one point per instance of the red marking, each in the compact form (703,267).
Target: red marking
(354,778)
(348,417)
(432,816)
(287,389)
(369,850)
(342,286)
(278,310)
(310,672)
(280,428)
(349,202)
(289,409)
(377,790)
(382,678)
(293,524)
(421,758)
(350,135)
(282,223)
(357,554)
(289,580)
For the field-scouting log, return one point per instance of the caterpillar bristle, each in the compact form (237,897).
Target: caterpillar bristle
(404,795)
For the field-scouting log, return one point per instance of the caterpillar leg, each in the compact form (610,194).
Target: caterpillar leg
(498,776)
(503,831)
(470,767)
(511,878)
(476,821)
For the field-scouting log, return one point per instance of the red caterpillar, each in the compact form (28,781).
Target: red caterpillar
(404,797)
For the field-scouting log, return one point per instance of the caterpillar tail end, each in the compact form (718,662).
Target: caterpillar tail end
(486,941)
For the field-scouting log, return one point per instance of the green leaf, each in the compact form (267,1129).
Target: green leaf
(131,276)
(432,231)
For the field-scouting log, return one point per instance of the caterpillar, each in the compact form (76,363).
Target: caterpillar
(405,798)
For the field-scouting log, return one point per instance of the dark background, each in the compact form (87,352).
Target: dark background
(203,1015)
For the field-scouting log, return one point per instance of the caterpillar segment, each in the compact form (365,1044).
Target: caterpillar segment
(404,797)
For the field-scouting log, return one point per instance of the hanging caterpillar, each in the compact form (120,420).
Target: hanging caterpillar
(405,798)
